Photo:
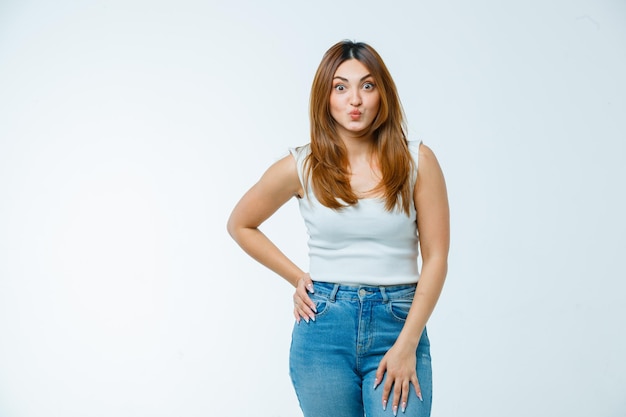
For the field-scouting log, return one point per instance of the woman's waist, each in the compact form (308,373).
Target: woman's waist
(349,291)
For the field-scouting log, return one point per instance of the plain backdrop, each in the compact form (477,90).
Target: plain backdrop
(130,128)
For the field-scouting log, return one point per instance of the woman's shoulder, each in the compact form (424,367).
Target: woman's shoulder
(300,153)
(300,150)
(426,154)
(419,150)
(428,163)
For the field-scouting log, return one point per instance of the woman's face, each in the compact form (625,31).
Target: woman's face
(354,98)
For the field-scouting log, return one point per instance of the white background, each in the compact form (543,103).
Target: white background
(129,129)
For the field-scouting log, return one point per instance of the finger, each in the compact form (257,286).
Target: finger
(418,389)
(302,299)
(386,390)
(296,309)
(406,385)
(302,309)
(307,302)
(307,282)
(397,394)
(380,372)
(305,305)
(306,314)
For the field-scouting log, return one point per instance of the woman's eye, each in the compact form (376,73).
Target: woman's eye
(368,86)
(339,87)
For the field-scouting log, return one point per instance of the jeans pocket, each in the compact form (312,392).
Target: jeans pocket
(399,309)
(322,304)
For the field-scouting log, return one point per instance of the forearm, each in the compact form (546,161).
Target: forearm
(427,294)
(263,250)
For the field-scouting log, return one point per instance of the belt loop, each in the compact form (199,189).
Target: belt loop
(384,294)
(333,293)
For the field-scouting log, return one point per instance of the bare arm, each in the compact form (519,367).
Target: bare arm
(433,223)
(277,185)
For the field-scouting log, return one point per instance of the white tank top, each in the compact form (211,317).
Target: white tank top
(362,244)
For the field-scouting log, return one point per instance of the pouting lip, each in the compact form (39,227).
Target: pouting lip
(355,113)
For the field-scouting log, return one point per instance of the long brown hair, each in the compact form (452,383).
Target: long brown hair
(327,164)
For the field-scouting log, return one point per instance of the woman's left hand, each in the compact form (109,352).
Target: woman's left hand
(399,364)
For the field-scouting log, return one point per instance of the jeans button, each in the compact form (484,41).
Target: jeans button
(362,292)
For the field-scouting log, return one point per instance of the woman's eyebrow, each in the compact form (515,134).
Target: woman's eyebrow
(346,80)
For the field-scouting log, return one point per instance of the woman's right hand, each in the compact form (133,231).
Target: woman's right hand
(303,307)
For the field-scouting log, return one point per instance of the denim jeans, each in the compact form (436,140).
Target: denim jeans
(333,360)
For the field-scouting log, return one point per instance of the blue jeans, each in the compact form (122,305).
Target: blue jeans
(333,360)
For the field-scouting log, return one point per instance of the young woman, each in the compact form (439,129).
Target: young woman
(369,198)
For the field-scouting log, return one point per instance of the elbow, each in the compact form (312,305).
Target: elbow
(237,230)
(231,228)
(439,262)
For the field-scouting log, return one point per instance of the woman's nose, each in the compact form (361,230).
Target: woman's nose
(355,98)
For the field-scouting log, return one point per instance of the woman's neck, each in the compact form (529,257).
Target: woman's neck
(358,147)
(363,167)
